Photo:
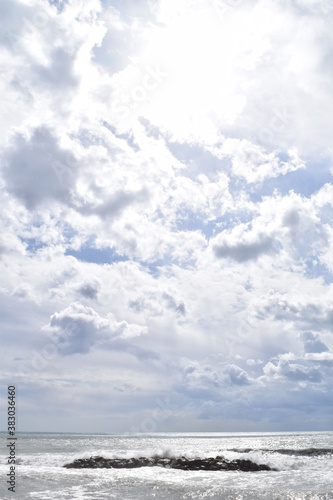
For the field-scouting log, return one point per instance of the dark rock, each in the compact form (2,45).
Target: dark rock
(212,464)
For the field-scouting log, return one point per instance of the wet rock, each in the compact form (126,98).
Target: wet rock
(212,464)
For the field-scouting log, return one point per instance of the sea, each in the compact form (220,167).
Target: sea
(304,461)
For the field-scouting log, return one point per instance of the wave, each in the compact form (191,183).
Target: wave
(292,452)
(280,458)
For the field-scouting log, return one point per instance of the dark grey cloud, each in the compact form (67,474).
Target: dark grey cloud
(59,4)
(89,290)
(199,382)
(297,372)
(118,202)
(243,251)
(156,304)
(314,315)
(312,342)
(172,303)
(237,375)
(37,169)
(138,305)
(150,306)
(59,73)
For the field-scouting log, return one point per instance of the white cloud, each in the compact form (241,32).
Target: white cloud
(251,162)
(79,328)
(166,177)
(293,371)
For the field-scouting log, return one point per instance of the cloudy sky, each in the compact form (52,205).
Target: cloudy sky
(167,214)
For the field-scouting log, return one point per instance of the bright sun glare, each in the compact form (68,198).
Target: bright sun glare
(202,59)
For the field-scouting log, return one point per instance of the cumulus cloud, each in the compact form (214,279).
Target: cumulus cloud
(89,289)
(293,371)
(200,381)
(312,343)
(118,202)
(79,328)
(237,375)
(302,311)
(243,247)
(251,162)
(306,234)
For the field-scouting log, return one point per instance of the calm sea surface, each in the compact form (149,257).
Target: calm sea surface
(304,462)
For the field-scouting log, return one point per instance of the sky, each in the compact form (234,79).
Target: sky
(166,177)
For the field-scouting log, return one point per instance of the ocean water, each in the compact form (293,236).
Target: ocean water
(304,462)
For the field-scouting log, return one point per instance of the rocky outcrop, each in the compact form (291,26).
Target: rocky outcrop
(214,464)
